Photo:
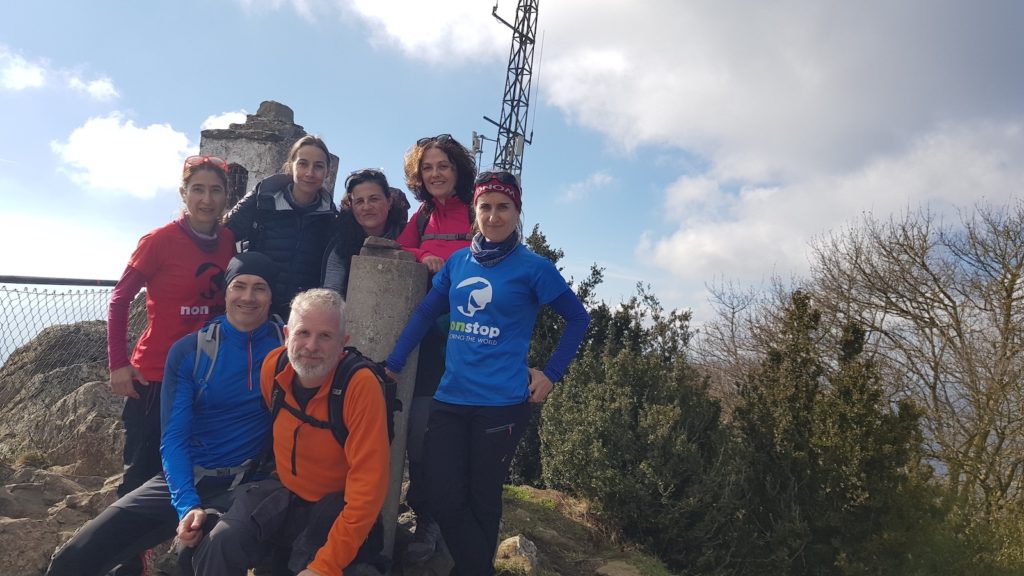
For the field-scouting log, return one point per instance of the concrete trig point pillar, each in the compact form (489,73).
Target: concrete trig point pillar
(385,286)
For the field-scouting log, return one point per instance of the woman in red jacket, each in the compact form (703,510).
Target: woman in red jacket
(439,171)
(181,264)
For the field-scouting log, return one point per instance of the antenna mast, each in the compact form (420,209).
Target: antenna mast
(515,104)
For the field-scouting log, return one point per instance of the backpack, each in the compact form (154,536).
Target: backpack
(208,344)
(423,217)
(354,360)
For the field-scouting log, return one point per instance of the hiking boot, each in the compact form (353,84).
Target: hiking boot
(424,541)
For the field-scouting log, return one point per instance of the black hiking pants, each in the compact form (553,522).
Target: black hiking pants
(468,453)
(141,418)
(267,523)
(135,523)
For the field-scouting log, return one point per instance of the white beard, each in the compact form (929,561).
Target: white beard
(310,372)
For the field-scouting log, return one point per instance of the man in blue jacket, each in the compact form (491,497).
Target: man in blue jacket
(215,428)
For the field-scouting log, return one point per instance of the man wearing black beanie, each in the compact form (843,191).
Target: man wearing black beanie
(214,430)
(254,263)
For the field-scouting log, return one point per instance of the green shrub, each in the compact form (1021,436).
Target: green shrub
(640,438)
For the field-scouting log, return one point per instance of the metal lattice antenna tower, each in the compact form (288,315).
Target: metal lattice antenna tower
(515,104)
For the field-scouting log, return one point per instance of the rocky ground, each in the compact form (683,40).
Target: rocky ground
(60,446)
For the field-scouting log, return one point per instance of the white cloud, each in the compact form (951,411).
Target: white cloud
(694,194)
(782,90)
(452,31)
(16,73)
(581,190)
(102,89)
(112,155)
(224,120)
(743,233)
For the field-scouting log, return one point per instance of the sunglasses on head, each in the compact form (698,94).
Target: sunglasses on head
(500,176)
(362,175)
(438,138)
(215,161)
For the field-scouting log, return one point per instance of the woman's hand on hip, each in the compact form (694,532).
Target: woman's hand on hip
(121,381)
(540,386)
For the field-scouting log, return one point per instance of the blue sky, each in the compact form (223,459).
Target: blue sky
(675,143)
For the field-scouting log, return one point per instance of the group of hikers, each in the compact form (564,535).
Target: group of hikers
(255,436)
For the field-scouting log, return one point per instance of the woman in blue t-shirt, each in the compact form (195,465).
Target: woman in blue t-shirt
(493,290)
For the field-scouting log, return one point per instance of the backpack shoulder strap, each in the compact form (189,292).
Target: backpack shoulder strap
(422,218)
(277,393)
(354,360)
(207,344)
(277,323)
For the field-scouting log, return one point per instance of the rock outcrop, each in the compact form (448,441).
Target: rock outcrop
(63,416)
(39,510)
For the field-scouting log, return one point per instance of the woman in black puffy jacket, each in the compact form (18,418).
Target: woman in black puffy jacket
(290,217)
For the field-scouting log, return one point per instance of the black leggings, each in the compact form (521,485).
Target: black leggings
(468,453)
(141,418)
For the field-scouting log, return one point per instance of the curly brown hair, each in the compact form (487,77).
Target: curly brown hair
(459,155)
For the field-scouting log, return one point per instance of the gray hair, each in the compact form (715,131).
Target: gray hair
(321,299)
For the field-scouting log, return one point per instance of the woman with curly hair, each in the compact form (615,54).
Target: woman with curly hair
(439,172)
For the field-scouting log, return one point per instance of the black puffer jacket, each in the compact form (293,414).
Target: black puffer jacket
(294,238)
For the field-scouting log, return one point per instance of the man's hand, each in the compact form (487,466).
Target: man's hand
(190,529)
(433,263)
(540,386)
(121,381)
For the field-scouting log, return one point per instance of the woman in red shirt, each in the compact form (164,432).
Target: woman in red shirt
(181,264)
(439,172)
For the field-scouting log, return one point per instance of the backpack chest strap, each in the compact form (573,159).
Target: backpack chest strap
(447,237)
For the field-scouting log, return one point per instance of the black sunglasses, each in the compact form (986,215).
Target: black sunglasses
(500,176)
(357,177)
(438,138)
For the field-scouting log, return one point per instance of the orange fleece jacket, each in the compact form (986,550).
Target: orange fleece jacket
(321,466)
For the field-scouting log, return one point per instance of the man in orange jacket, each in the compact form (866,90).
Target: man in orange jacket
(327,496)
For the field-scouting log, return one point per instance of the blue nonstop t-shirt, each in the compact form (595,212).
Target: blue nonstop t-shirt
(493,311)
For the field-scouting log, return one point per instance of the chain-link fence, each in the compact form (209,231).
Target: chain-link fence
(28,305)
